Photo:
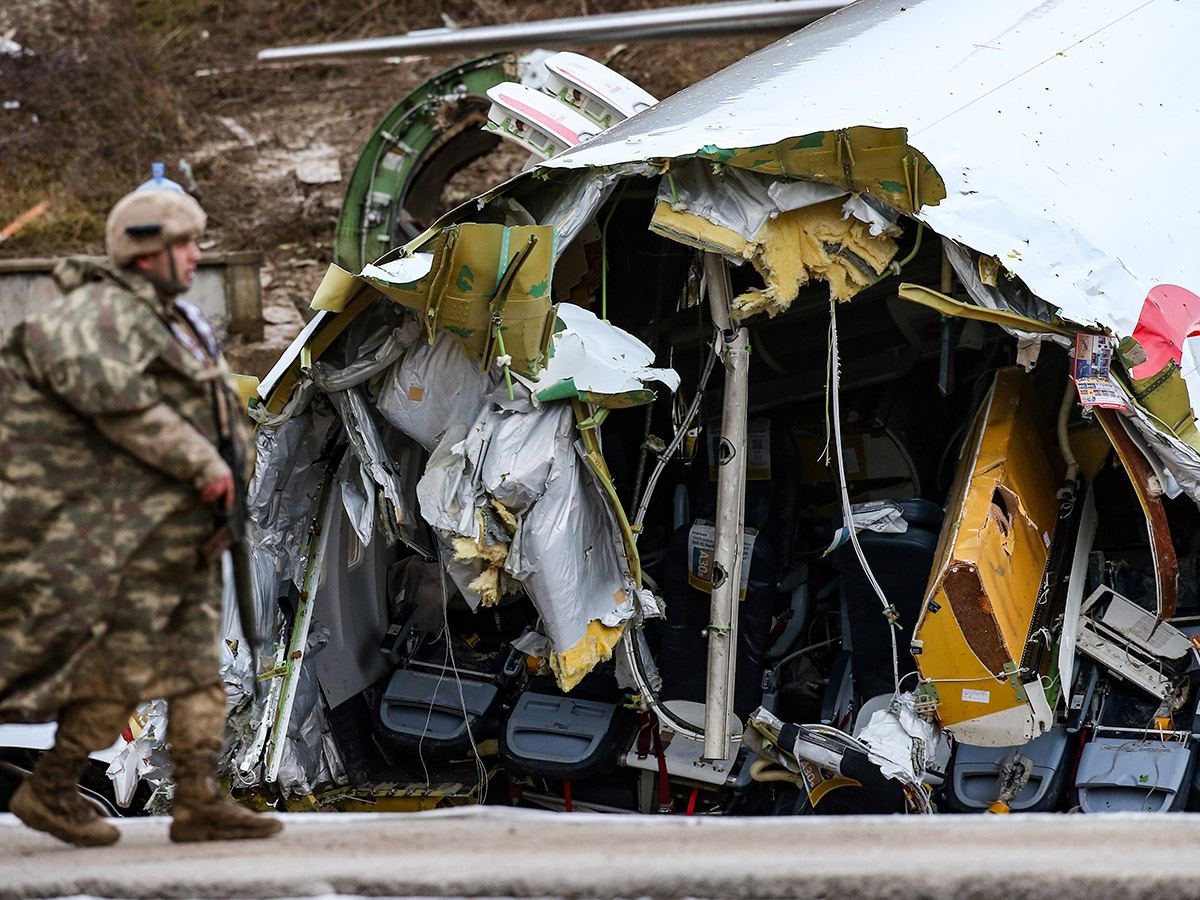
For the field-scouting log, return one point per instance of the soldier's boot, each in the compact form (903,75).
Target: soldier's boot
(49,800)
(202,813)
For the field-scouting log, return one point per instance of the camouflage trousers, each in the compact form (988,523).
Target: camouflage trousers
(163,631)
(147,628)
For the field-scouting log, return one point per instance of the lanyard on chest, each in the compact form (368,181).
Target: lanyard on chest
(192,331)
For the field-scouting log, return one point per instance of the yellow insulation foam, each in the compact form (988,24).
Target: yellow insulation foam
(695,231)
(487,584)
(801,244)
(594,647)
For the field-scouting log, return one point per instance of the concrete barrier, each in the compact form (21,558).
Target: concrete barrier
(226,288)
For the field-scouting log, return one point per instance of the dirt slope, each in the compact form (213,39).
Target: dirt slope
(106,88)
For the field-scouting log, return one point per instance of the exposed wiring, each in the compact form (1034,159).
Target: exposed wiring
(480,768)
(680,434)
(834,406)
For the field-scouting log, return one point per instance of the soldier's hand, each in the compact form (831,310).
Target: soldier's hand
(219,490)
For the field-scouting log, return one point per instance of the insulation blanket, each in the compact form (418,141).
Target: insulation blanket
(433,387)
(514,499)
(566,555)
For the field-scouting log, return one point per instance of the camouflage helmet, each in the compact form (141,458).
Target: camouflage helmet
(147,221)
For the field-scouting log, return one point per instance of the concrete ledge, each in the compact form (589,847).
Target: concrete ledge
(227,289)
(499,852)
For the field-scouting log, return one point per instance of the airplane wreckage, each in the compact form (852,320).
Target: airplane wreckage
(816,440)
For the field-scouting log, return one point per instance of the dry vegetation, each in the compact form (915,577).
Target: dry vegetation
(107,88)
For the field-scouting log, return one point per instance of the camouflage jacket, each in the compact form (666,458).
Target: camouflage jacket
(107,430)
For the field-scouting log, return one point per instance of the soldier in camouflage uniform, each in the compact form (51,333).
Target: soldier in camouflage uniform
(110,480)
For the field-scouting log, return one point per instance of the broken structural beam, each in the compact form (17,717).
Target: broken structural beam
(702,20)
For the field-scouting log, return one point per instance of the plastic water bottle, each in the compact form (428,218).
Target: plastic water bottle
(158,181)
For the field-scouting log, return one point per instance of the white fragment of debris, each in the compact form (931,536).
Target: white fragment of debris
(9,47)
(601,358)
(143,758)
(789,195)
(12,104)
(404,270)
(319,170)
(534,644)
(900,741)
(878,220)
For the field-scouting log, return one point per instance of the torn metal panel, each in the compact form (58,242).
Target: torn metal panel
(1170,315)
(999,116)
(337,288)
(998,106)
(988,285)
(1011,321)
(1155,356)
(983,593)
(599,363)
(1134,645)
(1149,493)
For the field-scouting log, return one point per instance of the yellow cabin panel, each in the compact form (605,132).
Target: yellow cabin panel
(988,569)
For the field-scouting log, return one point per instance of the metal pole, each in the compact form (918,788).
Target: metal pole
(731,493)
(701,20)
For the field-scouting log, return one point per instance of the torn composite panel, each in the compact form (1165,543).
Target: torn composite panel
(488,286)
(790,231)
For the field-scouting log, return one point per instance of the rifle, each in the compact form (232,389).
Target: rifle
(230,531)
